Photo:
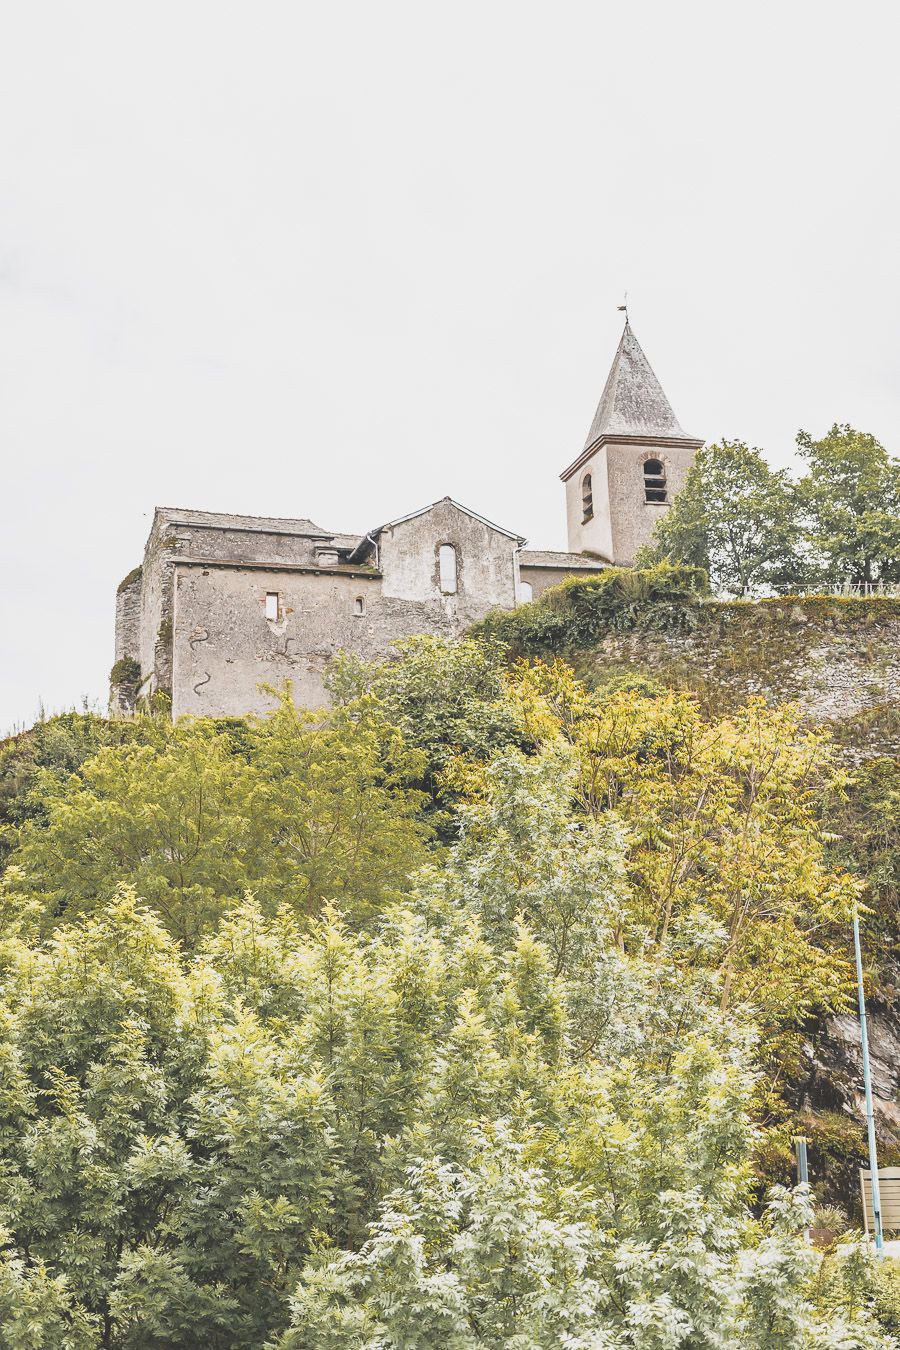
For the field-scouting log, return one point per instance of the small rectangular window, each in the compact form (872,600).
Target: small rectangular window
(272,605)
(359,605)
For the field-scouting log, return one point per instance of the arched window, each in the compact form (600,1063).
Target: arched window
(654,480)
(587,499)
(526,592)
(447,569)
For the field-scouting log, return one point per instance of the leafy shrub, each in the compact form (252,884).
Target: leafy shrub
(885,1288)
(829,1218)
(666,598)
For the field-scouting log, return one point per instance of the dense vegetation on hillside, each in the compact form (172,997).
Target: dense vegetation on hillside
(464,1015)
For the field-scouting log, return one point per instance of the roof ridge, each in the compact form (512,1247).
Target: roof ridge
(206,517)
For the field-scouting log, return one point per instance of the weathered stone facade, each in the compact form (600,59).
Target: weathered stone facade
(224,605)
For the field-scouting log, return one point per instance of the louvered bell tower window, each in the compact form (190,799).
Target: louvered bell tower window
(654,480)
(587,499)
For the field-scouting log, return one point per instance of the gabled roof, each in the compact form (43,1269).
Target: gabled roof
(633,402)
(368,539)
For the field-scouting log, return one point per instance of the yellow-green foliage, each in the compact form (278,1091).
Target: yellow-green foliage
(724,840)
(885,1287)
(299,811)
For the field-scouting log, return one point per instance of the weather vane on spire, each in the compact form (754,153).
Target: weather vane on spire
(623,308)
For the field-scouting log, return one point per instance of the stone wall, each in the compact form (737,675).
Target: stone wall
(225,648)
(594,535)
(839,658)
(540,579)
(128,616)
(122,691)
(155,633)
(203,534)
(145,619)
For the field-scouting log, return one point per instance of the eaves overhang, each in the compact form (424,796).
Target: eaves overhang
(235,565)
(652,442)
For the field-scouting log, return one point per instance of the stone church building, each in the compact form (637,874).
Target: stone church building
(223,603)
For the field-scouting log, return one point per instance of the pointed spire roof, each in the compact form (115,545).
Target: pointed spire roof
(633,402)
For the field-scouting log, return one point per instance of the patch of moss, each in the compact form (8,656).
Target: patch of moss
(164,632)
(133,575)
(126,671)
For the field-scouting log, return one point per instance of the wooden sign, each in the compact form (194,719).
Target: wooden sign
(889,1191)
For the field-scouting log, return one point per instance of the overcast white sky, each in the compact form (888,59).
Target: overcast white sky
(339,259)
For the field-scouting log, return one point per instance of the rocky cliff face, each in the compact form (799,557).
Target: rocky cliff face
(834,1080)
(831,1105)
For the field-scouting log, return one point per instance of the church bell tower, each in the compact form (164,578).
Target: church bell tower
(633,463)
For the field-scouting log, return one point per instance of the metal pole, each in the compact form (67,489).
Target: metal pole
(867,1082)
(802,1167)
(802,1170)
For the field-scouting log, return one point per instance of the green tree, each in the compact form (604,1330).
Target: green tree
(162,815)
(300,809)
(524,855)
(54,748)
(331,810)
(851,500)
(445,698)
(494,1254)
(162,1154)
(37,1309)
(736,518)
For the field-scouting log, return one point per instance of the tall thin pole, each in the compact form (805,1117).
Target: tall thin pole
(802,1170)
(867,1082)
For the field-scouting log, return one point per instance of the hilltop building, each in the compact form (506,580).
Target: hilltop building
(224,603)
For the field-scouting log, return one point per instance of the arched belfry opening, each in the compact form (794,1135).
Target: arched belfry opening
(654,481)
